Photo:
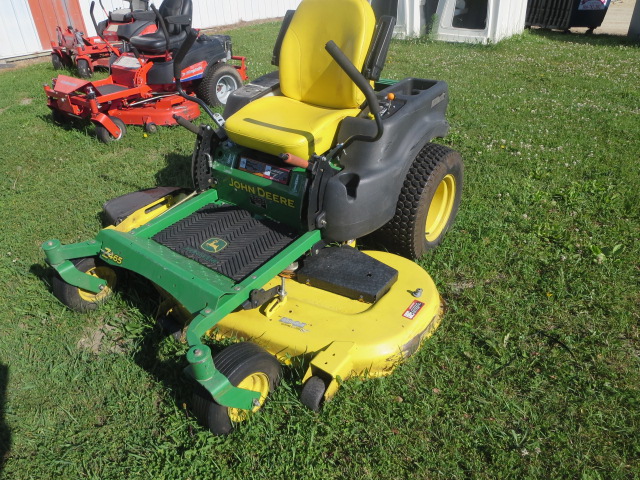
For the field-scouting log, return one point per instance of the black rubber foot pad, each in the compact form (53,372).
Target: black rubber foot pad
(348,272)
(226,239)
(107,89)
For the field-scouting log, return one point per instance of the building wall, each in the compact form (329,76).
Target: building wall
(18,33)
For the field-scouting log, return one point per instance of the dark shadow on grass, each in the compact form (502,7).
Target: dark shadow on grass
(5,432)
(176,172)
(42,273)
(140,293)
(599,40)
(68,123)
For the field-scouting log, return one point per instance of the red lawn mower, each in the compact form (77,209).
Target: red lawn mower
(89,53)
(141,88)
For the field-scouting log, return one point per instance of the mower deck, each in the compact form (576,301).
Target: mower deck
(342,337)
(212,255)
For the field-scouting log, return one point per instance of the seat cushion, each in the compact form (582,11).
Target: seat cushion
(278,125)
(156,42)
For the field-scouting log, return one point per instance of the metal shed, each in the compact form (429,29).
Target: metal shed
(478,21)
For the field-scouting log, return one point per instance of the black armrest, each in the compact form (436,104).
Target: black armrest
(147,15)
(178,20)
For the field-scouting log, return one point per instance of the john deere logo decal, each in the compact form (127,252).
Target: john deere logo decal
(213,245)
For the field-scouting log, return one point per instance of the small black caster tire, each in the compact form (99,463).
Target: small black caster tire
(80,300)
(60,117)
(150,128)
(105,137)
(84,69)
(312,393)
(246,365)
(219,81)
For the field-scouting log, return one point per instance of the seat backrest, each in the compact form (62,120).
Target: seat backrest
(141,5)
(307,71)
(170,8)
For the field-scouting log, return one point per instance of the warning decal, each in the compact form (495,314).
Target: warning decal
(413,310)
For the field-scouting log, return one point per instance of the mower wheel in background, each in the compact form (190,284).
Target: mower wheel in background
(84,69)
(81,300)
(246,365)
(56,61)
(427,205)
(103,134)
(219,81)
(313,393)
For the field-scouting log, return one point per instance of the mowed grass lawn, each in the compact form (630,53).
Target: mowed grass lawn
(534,372)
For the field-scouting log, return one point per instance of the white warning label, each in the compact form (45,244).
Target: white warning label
(413,310)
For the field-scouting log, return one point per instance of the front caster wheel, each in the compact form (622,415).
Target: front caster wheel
(84,69)
(82,300)
(246,365)
(428,203)
(313,393)
(103,134)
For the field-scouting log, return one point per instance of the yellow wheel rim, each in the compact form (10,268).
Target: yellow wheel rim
(104,273)
(258,382)
(440,208)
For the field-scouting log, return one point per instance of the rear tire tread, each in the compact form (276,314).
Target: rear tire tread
(399,235)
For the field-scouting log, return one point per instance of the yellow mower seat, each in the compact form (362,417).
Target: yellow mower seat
(316,93)
(282,125)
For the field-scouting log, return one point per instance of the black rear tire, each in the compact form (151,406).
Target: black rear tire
(219,81)
(427,205)
(84,69)
(240,363)
(56,61)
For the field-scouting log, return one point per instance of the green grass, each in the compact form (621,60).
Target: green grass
(534,372)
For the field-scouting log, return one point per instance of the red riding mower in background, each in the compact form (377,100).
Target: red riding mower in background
(141,88)
(88,53)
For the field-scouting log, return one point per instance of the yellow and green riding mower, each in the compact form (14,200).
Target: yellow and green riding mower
(310,158)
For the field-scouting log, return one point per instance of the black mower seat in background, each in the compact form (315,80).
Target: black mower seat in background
(109,88)
(126,14)
(156,43)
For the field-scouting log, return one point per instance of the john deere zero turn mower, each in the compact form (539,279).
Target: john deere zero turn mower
(309,159)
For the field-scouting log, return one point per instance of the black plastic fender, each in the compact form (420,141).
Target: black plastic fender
(363,195)
(212,50)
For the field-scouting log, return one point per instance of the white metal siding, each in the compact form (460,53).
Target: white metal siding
(213,13)
(18,34)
